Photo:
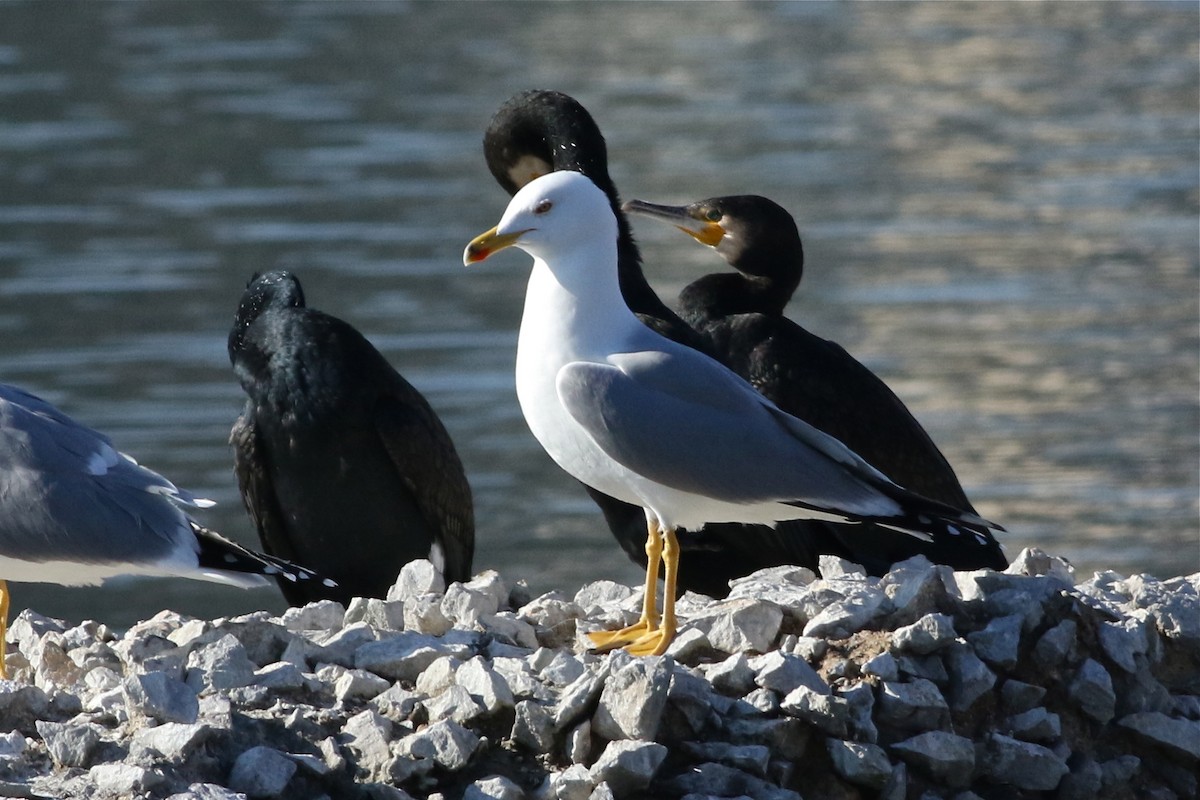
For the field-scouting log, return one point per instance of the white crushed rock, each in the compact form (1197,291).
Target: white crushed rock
(924,682)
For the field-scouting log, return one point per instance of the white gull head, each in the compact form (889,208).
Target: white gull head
(555,219)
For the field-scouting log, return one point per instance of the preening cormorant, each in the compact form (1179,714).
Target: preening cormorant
(340,461)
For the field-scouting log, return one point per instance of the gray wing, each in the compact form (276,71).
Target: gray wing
(86,444)
(689,423)
(69,495)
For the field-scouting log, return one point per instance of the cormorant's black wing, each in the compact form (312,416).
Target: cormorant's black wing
(429,466)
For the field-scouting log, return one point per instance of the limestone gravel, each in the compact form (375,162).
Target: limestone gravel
(923,683)
(261,772)
(946,757)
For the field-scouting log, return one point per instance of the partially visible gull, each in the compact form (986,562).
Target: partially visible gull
(741,314)
(342,464)
(660,425)
(75,511)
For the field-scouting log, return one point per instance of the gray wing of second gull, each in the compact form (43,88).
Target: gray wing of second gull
(69,495)
(690,424)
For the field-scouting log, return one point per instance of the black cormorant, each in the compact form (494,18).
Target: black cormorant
(341,462)
(741,315)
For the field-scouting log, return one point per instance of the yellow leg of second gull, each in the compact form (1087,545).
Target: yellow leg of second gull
(655,642)
(3,627)
(648,623)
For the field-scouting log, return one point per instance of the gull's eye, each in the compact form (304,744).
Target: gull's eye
(713,215)
(543,207)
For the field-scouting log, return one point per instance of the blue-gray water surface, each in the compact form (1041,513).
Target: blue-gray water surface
(999,203)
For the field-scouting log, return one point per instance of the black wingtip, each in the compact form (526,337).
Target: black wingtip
(922,518)
(224,555)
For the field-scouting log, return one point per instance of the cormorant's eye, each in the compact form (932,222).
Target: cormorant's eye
(713,215)
(543,207)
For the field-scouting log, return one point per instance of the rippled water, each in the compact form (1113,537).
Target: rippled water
(999,203)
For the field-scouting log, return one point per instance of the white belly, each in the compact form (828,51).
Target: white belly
(547,343)
(563,439)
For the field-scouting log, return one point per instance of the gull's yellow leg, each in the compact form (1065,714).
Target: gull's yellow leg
(3,627)
(655,642)
(607,640)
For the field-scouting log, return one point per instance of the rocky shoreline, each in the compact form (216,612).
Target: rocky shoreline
(925,683)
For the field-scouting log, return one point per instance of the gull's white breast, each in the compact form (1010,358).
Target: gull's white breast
(552,336)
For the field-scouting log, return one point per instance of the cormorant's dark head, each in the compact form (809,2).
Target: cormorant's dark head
(541,131)
(277,289)
(753,234)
